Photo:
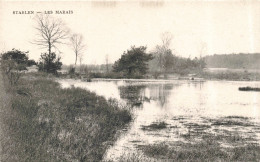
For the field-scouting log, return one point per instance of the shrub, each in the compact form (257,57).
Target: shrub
(49,63)
(72,70)
(133,63)
(13,62)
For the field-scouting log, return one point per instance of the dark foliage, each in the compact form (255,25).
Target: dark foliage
(133,63)
(31,62)
(19,57)
(72,70)
(49,63)
(248,89)
(13,62)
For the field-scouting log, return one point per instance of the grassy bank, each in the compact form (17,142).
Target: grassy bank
(47,123)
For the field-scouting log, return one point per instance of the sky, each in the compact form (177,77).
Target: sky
(112,27)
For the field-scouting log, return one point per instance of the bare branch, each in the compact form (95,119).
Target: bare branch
(50,32)
(166,38)
(76,42)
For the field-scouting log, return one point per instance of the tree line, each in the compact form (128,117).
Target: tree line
(235,61)
(136,62)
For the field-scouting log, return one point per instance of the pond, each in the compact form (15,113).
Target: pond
(170,111)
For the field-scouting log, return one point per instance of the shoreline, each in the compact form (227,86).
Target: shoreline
(60,124)
(157,80)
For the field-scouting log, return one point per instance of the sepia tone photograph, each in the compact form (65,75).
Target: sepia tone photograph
(129,81)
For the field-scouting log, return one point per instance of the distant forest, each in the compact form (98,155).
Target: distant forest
(234,61)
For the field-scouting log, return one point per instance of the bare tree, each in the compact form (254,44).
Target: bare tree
(50,32)
(203,47)
(161,50)
(80,63)
(107,62)
(166,38)
(76,41)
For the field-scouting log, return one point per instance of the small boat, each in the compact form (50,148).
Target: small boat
(248,89)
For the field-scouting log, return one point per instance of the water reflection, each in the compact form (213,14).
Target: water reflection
(134,95)
(161,93)
(180,111)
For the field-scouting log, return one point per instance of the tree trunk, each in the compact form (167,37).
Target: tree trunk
(49,57)
(107,69)
(76,59)
(49,48)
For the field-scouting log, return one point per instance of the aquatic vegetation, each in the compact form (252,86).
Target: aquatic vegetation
(231,121)
(208,139)
(208,149)
(155,126)
(248,89)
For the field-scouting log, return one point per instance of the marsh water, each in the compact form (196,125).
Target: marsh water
(182,108)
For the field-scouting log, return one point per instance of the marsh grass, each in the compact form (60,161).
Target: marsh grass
(248,89)
(155,126)
(48,123)
(208,149)
(211,139)
(231,121)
